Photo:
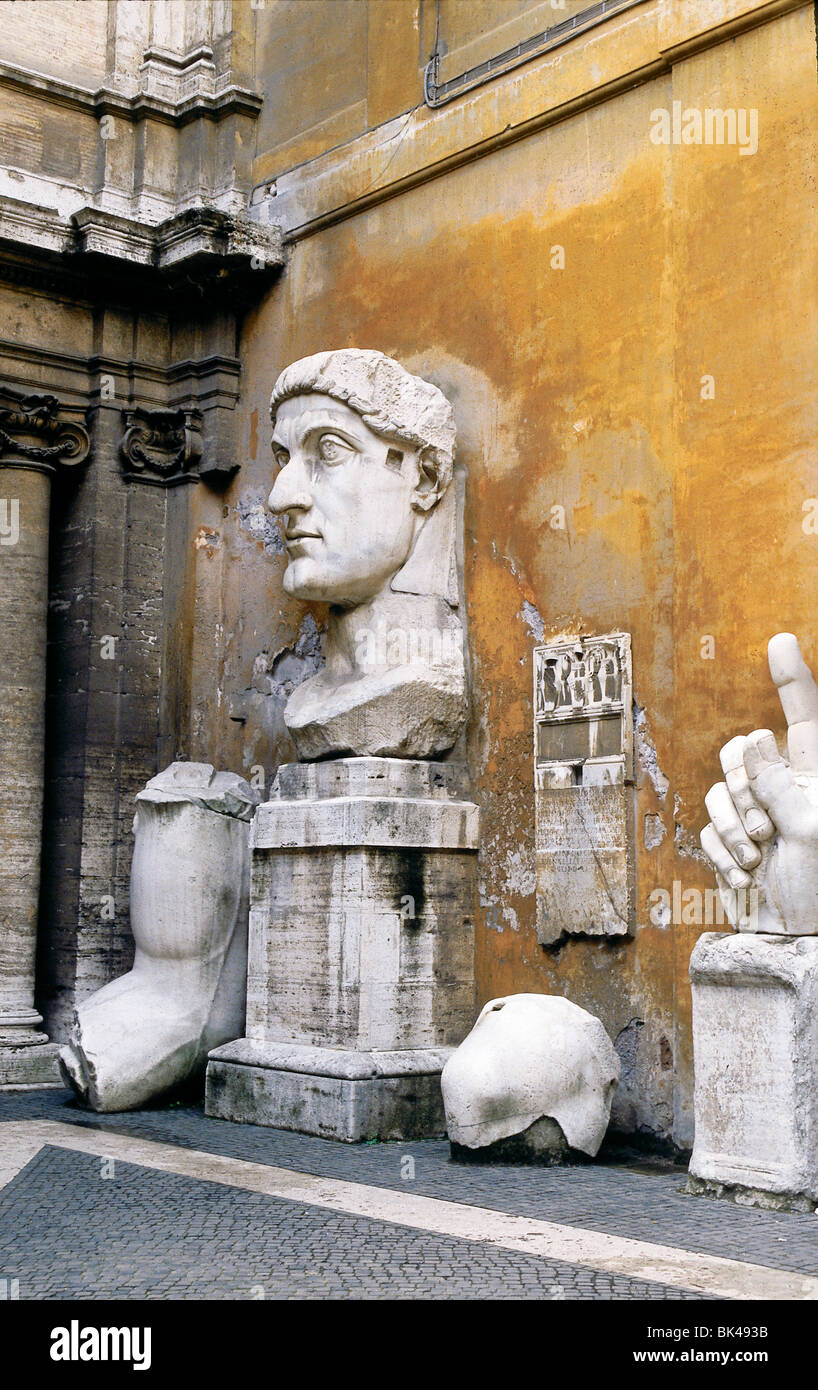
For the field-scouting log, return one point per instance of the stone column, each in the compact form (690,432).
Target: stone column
(34,442)
(360,978)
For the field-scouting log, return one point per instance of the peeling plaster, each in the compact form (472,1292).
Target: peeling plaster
(512,875)
(646,1059)
(207,539)
(686,841)
(293,664)
(521,879)
(655,831)
(258,522)
(533,621)
(492,910)
(646,752)
(497,917)
(626,1045)
(260,705)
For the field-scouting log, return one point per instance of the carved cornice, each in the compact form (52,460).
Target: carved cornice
(232,99)
(198,234)
(208,234)
(32,435)
(162,447)
(203,391)
(201,252)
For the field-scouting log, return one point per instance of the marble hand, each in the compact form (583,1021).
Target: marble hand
(762,837)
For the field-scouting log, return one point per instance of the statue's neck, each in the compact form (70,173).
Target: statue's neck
(362,641)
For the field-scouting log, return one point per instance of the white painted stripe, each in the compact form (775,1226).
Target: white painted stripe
(635,1259)
(16,1150)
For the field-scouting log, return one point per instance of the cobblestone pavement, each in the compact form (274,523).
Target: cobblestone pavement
(68,1231)
(156,1235)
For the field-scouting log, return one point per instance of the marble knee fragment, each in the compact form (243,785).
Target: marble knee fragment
(536,1066)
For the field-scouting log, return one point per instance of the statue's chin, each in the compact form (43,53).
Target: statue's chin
(299,583)
(302,581)
(305,579)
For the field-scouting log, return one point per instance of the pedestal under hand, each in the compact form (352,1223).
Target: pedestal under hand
(755,1029)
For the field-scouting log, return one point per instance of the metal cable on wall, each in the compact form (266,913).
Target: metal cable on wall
(439,93)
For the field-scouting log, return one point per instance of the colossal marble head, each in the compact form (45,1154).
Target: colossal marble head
(370,518)
(365,454)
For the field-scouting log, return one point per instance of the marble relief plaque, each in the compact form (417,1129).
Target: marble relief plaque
(583,774)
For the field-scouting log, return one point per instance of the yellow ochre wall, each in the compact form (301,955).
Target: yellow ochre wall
(584,387)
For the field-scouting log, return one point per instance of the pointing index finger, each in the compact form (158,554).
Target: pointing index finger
(798,694)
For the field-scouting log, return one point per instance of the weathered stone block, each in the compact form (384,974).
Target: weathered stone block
(338,1094)
(32,1067)
(755,1037)
(584,880)
(361,946)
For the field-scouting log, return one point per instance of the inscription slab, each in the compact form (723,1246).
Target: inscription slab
(583,777)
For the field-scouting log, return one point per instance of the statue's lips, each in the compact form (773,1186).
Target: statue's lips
(295,538)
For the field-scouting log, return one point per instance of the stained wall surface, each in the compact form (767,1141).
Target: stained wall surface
(628,332)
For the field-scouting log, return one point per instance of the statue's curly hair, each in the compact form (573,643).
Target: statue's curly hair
(391,401)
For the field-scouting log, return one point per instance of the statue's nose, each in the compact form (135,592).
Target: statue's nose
(291,490)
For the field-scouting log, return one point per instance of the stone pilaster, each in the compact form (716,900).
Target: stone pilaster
(35,440)
(109,645)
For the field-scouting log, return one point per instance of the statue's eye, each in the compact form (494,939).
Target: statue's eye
(333,449)
(281,457)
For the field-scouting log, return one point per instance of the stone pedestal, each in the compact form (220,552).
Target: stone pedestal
(27,1058)
(361,953)
(755,1036)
